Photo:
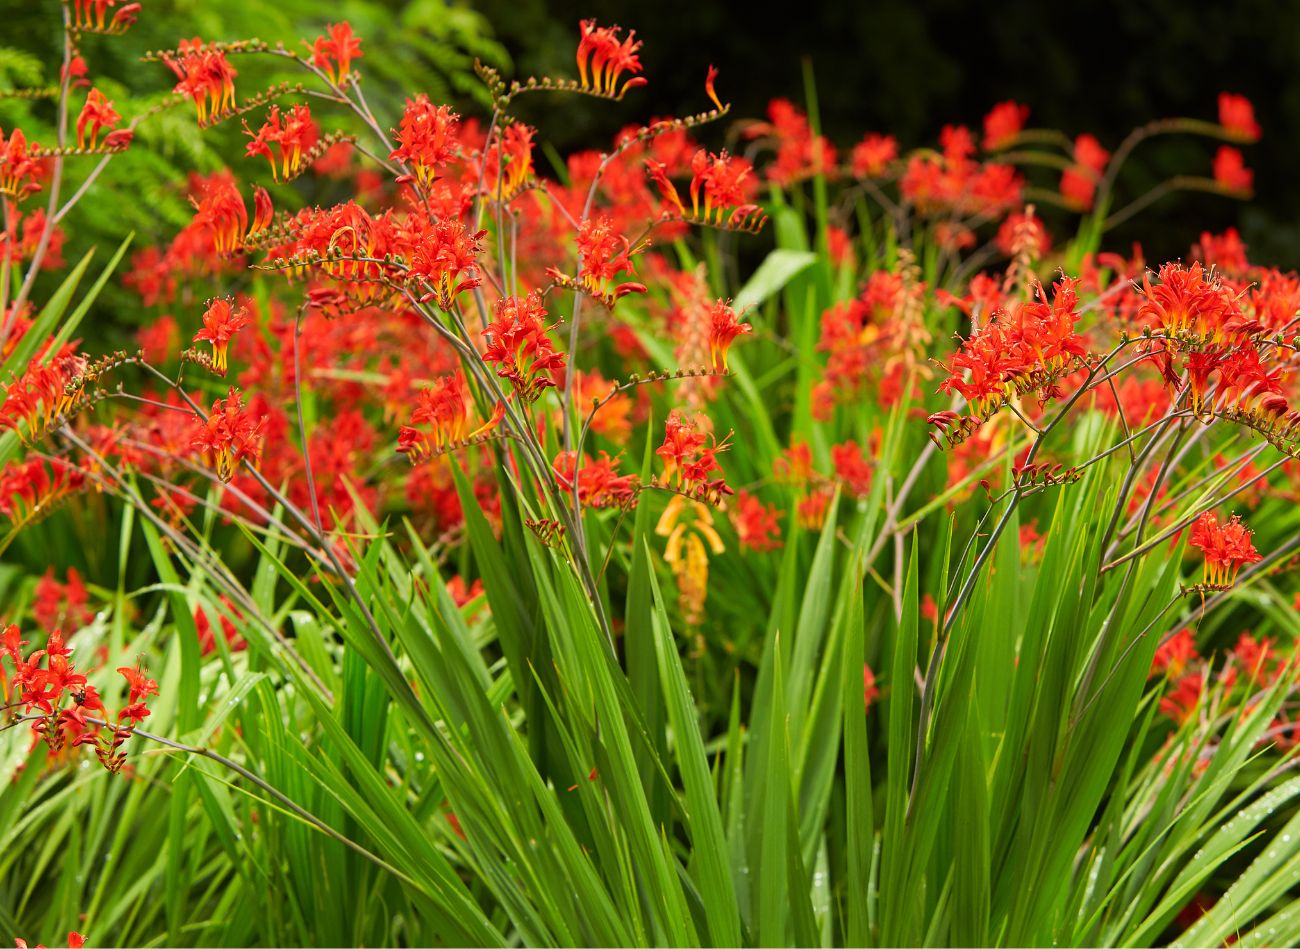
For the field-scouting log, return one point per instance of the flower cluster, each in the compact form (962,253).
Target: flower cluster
(49,692)
(1227,548)
(518,340)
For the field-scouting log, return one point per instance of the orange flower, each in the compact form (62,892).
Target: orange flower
(602,58)
(427,138)
(335,51)
(518,340)
(724,327)
(221,321)
(1226,547)
(205,76)
(228,435)
(98,113)
(292,137)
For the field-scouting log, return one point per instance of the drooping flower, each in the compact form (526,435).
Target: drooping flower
(205,76)
(98,113)
(1226,547)
(334,51)
(221,321)
(603,58)
(229,435)
(724,327)
(517,340)
(19,169)
(688,525)
(293,135)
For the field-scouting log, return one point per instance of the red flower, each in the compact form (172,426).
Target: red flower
(852,468)
(724,327)
(228,435)
(599,483)
(427,138)
(98,113)
(1237,116)
(221,321)
(446,256)
(205,76)
(19,170)
(869,691)
(445,407)
(335,51)
(1003,124)
(139,685)
(604,254)
(1180,703)
(292,137)
(602,58)
(511,160)
(872,156)
(690,456)
(1174,654)
(1226,547)
(757,524)
(1230,171)
(517,339)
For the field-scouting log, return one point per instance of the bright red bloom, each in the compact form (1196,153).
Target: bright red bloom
(599,483)
(446,256)
(1079,182)
(1003,124)
(852,468)
(1226,547)
(335,51)
(229,435)
(603,58)
(604,254)
(221,321)
(140,686)
(1174,654)
(724,327)
(872,156)
(427,138)
(293,137)
(758,525)
(1237,116)
(444,406)
(205,76)
(690,457)
(19,170)
(1230,171)
(1187,300)
(98,113)
(518,340)
(510,159)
